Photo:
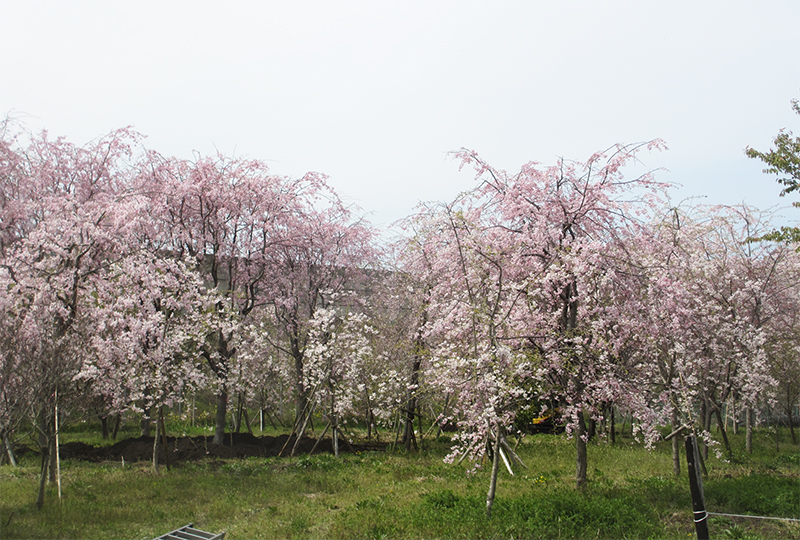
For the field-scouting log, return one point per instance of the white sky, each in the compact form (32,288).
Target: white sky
(375,93)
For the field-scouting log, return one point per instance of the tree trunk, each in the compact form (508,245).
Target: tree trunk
(155,452)
(104,426)
(592,431)
(442,416)
(247,421)
(676,445)
(613,426)
(411,401)
(145,425)
(413,387)
(271,420)
(748,419)
(705,413)
(421,432)
(721,426)
(493,480)
(237,425)
(397,425)
(43,476)
(777,439)
(12,458)
(301,432)
(789,413)
(335,438)
(53,477)
(301,398)
(46,439)
(163,429)
(222,409)
(117,421)
(580,450)
(56,450)
(334,423)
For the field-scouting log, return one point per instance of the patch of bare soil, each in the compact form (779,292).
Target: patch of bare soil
(236,445)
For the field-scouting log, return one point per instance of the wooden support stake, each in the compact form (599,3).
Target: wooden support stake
(345,440)
(676,432)
(505,459)
(512,453)
(324,431)
(12,458)
(493,479)
(303,429)
(696,487)
(58,458)
(466,453)
(293,432)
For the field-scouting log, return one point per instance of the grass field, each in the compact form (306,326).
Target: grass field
(384,495)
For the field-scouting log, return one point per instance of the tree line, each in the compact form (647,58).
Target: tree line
(130,280)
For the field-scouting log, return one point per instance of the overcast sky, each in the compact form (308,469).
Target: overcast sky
(376,93)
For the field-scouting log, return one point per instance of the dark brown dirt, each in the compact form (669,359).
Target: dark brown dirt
(237,445)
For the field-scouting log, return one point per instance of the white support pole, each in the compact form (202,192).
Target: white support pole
(58,458)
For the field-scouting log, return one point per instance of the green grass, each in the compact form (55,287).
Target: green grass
(632,494)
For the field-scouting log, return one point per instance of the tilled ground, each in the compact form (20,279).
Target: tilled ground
(236,445)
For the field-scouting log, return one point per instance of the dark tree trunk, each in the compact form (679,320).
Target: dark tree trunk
(222,410)
(592,431)
(46,442)
(411,402)
(117,421)
(43,476)
(723,431)
(789,413)
(409,437)
(104,426)
(53,460)
(748,423)
(301,399)
(613,425)
(705,413)
(220,365)
(676,445)
(237,418)
(247,421)
(163,429)
(580,450)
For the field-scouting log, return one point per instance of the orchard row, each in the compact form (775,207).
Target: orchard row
(128,280)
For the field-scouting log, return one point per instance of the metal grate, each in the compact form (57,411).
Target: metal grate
(188,532)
